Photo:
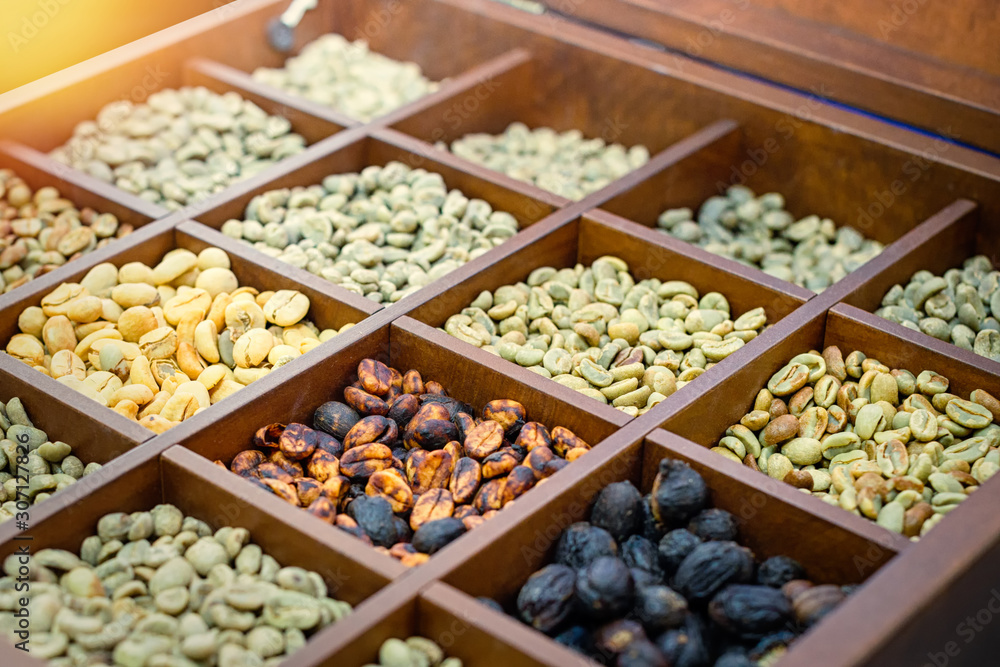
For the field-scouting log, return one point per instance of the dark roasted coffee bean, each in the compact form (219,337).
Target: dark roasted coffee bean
(436,535)
(298,441)
(372,429)
(375,377)
(430,506)
(365,403)
(465,480)
(365,460)
(266,437)
(335,418)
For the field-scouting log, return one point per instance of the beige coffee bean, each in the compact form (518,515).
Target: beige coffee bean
(252,348)
(31,320)
(135,294)
(190,301)
(100,279)
(64,363)
(58,334)
(216,280)
(286,307)
(242,316)
(135,272)
(206,340)
(160,343)
(85,309)
(213,258)
(58,300)
(173,265)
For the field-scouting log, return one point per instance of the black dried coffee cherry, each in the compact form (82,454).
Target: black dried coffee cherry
(491,603)
(710,567)
(674,548)
(618,510)
(678,493)
(638,552)
(652,529)
(581,544)
(734,657)
(547,598)
(750,611)
(436,535)
(604,588)
(578,638)
(335,418)
(614,637)
(685,646)
(374,516)
(714,524)
(644,578)
(777,640)
(660,608)
(641,653)
(779,570)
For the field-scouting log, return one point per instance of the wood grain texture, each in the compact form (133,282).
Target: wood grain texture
(912,84)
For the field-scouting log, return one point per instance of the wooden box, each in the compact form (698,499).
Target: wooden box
(932,203)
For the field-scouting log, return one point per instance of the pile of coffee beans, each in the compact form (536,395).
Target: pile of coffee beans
(413,652)
(32,467)
(961,307)
(383,233)
(811,252)
(179,146)
(597,330)
(42,230)
(565,163)
(161,588)
(348,77)
(660,580)
(893,447)
(402,465)
(160,344)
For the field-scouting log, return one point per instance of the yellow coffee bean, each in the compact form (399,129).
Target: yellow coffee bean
(160,343)
(216,280)
(126,408)
(154,407)
(247,375)
(197,390)
(213,258)
(135,294)
(188,360)
(57,301)
(213,375)
(251,348)
(110,310)
(83,347)
(157,424)
(181,406)
(85,309)
(31,320)
(65,362)
(243,316)
(191,301)
(217,313)
(225,389)
(173,265)
(58,334)
(206,341)
(136,393)
(135,272)
(279,351)
(140,373)
(286,307)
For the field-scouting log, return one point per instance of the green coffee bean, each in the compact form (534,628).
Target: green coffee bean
(758,232)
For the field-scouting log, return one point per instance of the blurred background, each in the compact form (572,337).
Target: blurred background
(39,37)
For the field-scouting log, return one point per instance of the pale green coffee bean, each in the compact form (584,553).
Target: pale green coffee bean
(734,445)
(803,451)
(778,466)
(636,398)
(620,388)
(891,517)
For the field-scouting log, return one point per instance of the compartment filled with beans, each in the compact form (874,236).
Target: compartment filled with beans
(403,466)
(159,344)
